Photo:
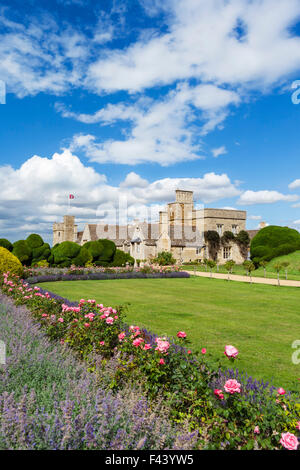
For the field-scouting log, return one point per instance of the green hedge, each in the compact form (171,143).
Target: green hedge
(22,251)
(274,241)
(121,258)
(6,244)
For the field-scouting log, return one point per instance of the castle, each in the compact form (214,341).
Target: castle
(180,230)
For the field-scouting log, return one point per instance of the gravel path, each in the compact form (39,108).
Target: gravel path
(255,280)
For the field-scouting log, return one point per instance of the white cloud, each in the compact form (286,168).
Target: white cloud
(36,194)
(203,42)
(162,131)
(254,217)
(219,151)
(133,180)
(264,197)
(295,184)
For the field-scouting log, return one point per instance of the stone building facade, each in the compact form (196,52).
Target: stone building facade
(179,230)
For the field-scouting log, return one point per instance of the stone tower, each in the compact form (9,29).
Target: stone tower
(181,211)
(65,231)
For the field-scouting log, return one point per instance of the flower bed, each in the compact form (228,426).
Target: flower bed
(104,276)
(48,399)
(227,412)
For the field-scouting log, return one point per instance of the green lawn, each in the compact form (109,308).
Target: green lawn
(293,270)
(261,321)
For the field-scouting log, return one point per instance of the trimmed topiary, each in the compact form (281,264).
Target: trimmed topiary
(121,258)
(9,262)
(34,241)
(274,241)
(41,253)
(23,252)
(65,253)
(95,248)
(83,258)
(109,249)
(6,244)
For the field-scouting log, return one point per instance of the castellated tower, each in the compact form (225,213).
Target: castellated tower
(181,211)
(65,231)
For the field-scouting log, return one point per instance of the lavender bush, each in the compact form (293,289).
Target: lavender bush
(48,400)
(104,276)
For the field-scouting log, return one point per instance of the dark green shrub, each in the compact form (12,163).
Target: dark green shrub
(22,251)
(65,253)
(243,238)
(227,237)
(274,241)
(41,253)
(104,264)
(109,249)
(34,241)
(6,244)
(212,238)
(121,258)
(83,257)
(95,248)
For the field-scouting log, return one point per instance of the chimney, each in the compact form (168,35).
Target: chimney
(163,222)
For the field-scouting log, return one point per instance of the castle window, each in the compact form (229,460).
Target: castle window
(235,229)
(59,234)
(226,252)
(220,229)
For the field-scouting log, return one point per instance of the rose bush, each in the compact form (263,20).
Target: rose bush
(227,416)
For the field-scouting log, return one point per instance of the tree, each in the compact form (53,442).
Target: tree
(229,265)
(263,264)
(249,267)
(285,265)
(211,264)
(165,258)
(278,268)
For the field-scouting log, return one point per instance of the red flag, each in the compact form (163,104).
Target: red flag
(71,196)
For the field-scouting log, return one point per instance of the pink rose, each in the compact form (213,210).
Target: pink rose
(147,346)
(86,325)
(203,350)
(218,393)
(109,320)
(189,351)
(232,386)
(298,426)
(161,361)
(162,345)
(281,391)
(121,336)
(61,320)
(137,342)
(256,430)
(289,441)
(230,351)
(181,334)
(101,343)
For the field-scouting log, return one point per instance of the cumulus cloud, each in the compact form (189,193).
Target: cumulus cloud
(264,197)
(36,194)
(219,151)
(160,131)
(295,184)
(224,41)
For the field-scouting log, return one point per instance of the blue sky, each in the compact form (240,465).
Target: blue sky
(112,100)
